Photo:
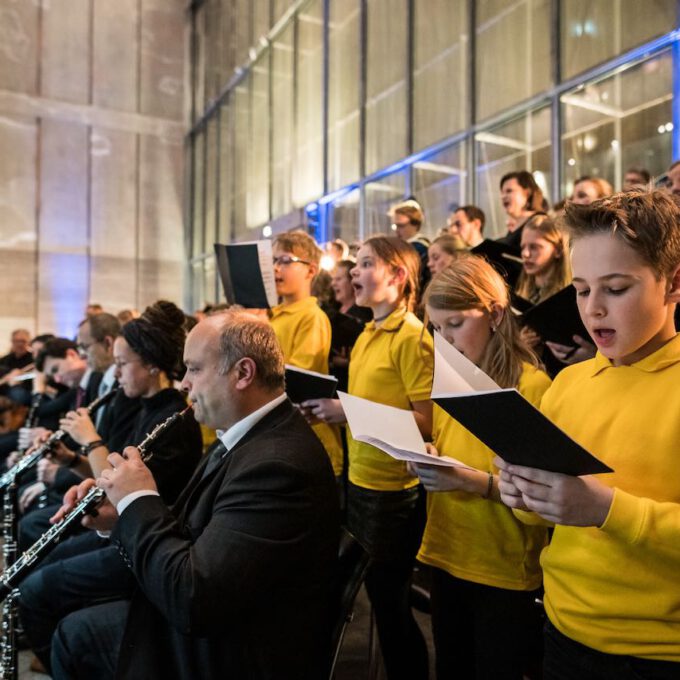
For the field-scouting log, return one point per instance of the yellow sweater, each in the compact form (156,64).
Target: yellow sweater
(473,538)
(304,333)
(617,588)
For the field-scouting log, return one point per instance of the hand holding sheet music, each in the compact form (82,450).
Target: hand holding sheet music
(389,429)
(561,499)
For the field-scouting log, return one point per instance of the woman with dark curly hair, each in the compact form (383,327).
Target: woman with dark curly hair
(148,358)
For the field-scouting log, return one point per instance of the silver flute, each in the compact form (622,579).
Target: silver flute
(13,575)
(31,459)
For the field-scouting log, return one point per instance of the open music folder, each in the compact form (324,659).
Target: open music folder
(503,419)
(502,257)
(392,430)
(302,384)
(247,273)
(557,318)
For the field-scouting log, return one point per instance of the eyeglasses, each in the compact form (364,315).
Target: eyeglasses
(286,260)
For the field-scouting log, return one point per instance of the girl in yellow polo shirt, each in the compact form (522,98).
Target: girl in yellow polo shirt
(485,569)
(391,363)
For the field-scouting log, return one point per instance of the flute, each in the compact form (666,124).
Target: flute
(13,575)
(31,459)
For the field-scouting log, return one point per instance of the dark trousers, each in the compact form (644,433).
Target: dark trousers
(566,659)
(481,632)
(390,526)
(87,643)
(82,571)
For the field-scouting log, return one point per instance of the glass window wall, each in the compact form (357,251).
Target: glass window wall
(440,70)
(386,78)
(619,121)
(407,78)
(512,53)
(344,113)
(440,185)
(596,30)
(308,151)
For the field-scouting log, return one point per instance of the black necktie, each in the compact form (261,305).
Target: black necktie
(214,459)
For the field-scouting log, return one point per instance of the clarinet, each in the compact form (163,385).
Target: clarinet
(8,629)
(32,417)
(31,459)
(13,575)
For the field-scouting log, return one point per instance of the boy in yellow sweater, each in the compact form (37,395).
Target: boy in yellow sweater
(612,570)
(301,326)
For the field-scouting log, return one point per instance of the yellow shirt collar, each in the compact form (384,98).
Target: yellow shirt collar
(294,307)
(664,357)
(392,323)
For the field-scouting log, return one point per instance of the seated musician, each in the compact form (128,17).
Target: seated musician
(233,580)
(86,568)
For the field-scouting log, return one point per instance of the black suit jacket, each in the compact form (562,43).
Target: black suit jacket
(235,580)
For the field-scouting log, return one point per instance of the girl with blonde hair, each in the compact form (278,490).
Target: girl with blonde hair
(485,569)
(545,262)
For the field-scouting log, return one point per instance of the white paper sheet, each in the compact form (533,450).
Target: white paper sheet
(454,373)
(389,429)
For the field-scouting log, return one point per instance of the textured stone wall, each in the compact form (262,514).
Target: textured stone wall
(91,158)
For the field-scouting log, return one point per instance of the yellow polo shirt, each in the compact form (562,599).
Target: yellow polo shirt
(391,364)
(473,538)
(617,588)
(304,333)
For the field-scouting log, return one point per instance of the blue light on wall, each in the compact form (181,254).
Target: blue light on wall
(316,222)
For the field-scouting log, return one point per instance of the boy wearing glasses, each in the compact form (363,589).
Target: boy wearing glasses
(302,328)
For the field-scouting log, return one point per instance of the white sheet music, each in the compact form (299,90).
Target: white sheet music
(454,373)
(264,252)
(389,429)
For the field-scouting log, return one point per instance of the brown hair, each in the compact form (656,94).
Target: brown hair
(526,180)
(397,253)
(300,244)
(559,274)
(472,283)
(242,334)
(410,209)
(647,221)
(472,212)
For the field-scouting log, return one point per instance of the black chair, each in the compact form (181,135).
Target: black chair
(353,561)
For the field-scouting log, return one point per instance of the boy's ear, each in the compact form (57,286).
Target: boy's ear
(313,270)
(673,294)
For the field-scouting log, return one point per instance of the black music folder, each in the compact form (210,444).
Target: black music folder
(302,385)
(518,304)
(247,274)
(557,318)
(519,433)
(502,257)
